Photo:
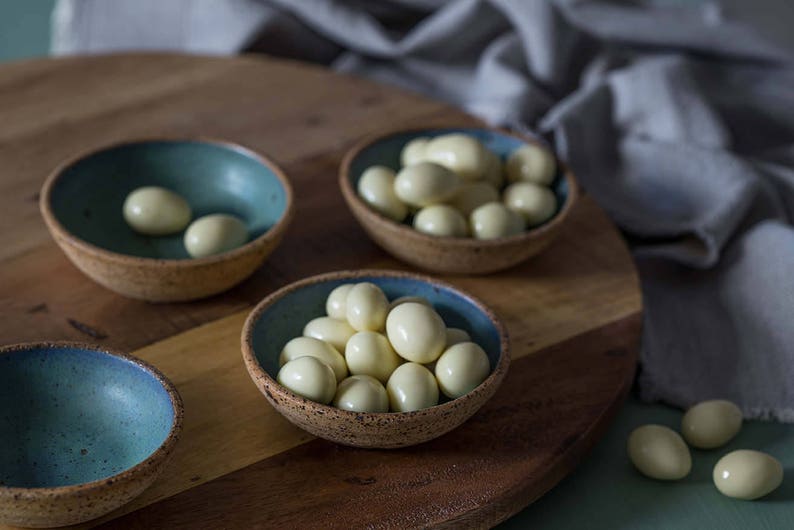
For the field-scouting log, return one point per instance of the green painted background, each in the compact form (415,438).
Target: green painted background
(24,28)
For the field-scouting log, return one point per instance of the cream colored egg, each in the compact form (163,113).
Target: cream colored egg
(336,303)
(376,187)
(456,336)
(412,387)
(156,211)
(461,369)
(531,163)
(441,220)
(747,475)
(370,353)
(334,331)
(494,172)
(416,332)
(659,452)
(367,307)
(473,195)
(414,151)
(495,220)
(404,299)
(309,346)
(214,234)
(534,202)
(361,393)
(309,377)
(425,183)
(711,424)
(461,153)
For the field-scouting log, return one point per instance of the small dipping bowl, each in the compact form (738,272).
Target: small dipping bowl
(282,316)
(84,431)
(455,255)
(82,201)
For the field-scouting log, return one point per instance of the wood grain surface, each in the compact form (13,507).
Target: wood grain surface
(573,313)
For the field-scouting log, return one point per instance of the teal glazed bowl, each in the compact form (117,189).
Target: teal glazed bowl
(282,315)
(82,200)
(84,430)
(455,255)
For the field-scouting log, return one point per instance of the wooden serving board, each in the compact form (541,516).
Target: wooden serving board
(573,313)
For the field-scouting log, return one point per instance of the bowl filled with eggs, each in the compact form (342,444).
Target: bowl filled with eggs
(168,220)
(374,358)
(466,200)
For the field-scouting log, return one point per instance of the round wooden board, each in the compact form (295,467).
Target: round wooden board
(573,313)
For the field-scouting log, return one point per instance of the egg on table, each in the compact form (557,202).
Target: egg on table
(659,452)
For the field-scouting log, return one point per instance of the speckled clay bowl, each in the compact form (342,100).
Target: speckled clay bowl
(282,315)
(84,430)
(82,205)
(449,254)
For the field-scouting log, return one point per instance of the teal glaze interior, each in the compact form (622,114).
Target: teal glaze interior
(70,416)
(213,178)
(286,318)
(386,152)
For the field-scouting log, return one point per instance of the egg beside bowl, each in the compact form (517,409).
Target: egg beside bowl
(282,315)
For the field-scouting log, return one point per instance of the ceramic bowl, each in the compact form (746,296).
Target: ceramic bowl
(84,430)
(82,202)
(282,315)
(449,254)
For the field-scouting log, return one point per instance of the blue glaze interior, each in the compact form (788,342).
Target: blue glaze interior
(70,416)
(386,152)
(213,178)
(286,318)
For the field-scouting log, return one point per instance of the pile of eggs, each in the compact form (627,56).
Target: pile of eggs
(454,187)
(157,211)
(372,355)
(661,453)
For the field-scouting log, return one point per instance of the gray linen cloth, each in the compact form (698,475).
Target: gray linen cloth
(677,116)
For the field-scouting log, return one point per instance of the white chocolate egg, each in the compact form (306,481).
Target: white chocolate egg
(425,183)
(156,211)
(367,307)
(531,163)
(416,332)
(461,153)
(441,220)
(376,187)
(461,368)
(659,452)
(309,346)
(534,202)
(414,151)
(361,393)
(370,353)
(747,475)
(404,299)
(495,220)
(309,377)
(711,424)
(336,303)
(412,387)
(473,195)
(494,172)
(334,331)
(456,336)
(214,234)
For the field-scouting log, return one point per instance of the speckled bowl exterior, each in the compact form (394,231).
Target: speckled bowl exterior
(452,255)
(282,315)
(63,463)
(81,203)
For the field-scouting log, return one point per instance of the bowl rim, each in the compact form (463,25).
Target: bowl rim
(255,369)
(59,230)
(353,200)
(154,459)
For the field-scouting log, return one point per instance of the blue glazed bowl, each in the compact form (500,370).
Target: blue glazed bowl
(82,205)
(282,316)
(449,254)
(84,430)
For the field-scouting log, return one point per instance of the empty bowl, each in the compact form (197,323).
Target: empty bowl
(456,255)
(282,315)
(84,431)
(82,205)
